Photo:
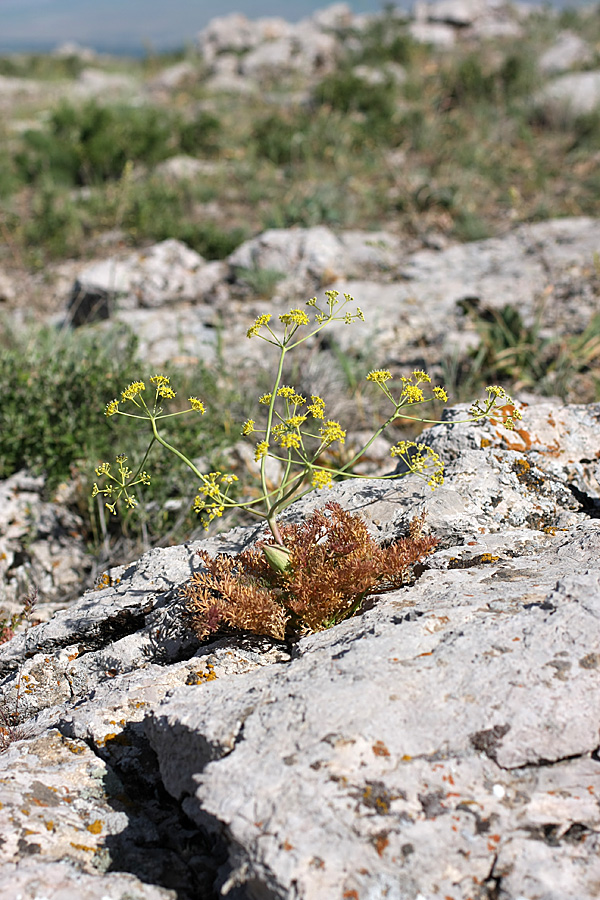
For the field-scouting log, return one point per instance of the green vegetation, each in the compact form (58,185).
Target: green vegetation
(92,144)
(446,147)
(55,384)
(456,148)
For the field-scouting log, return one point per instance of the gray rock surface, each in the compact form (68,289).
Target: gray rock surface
(443,743)
(167,271)
(42,544)
(271,47)
(568,96)
(568,50)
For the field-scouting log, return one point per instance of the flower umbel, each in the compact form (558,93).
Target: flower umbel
(294,436)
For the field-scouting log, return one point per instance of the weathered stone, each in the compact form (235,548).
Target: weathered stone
(96,83)
(185,168)
(569,96)
(42,546)
(166,272)
(316,253)
(567,51)
(445,740)
(460,719)
(174,76)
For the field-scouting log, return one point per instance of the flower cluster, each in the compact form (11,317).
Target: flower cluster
(497,405)
(420,460)
(292,430)
(212,495)
(118,486)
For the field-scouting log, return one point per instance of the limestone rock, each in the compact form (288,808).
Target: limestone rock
(94,82)
(42,544)
(571,95)
(316,254)
(443,741)
(185,168)
(568,50)
(174,76)
(164,273)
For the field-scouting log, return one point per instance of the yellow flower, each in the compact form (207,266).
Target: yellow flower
(420,376)
(379,376)
(248,427)
(260,321)
(165,391)
(132,390)
(111,408)
(413,393)
(103,469)
(286,434)
(266,399)
(331,431)
(196,404)
(321,479)
(289,393)
(294,317)
(317,407)
(160,380)
(295,421)
(441,394)
(262,448)
(421,461)
(289,441)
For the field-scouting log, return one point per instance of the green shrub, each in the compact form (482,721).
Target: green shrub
(157,210)
(40,66)
(282,138)
(56,384)
(385,39)
(200,135)
(92,144)
(47,421)
(347,93)
(56,228)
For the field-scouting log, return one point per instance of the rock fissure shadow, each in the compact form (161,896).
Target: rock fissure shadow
(160,845)
(589,505)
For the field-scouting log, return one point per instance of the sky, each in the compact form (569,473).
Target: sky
(128,25)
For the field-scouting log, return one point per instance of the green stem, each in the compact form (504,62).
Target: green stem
(174,450)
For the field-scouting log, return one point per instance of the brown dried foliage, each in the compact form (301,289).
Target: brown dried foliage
(334,565)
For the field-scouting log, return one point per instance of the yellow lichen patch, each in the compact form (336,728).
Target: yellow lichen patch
(49,825)
(200,677)
(83,847)
(379,749)
(488,558)
(73,747)
(95,827)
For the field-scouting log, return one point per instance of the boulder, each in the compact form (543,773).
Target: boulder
(445,741)
(94,82)
(424,305)
(43,545)
(568,96)
(164,273)
(185,168)
(568,51)
(316,254)
(333,17)
(174,76)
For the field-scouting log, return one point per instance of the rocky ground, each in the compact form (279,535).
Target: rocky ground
(444,742)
